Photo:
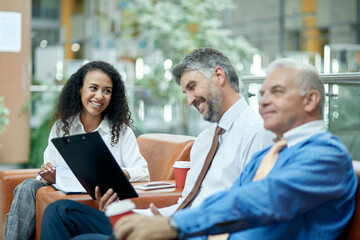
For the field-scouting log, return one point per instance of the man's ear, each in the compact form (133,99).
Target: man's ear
(220,76)
(312,101)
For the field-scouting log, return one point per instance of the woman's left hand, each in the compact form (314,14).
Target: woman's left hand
(109,197)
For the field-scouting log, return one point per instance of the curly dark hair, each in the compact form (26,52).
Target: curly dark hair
(69,103)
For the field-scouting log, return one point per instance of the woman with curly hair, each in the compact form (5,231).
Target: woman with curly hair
(93,99)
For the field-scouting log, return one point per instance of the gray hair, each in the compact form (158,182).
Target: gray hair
(205,60)
(307,78)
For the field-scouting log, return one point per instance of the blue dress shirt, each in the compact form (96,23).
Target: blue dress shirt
(309,194)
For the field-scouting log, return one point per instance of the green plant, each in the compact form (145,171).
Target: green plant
(4,112)
(39,140)
(42,107)
(167,30)
(176,27)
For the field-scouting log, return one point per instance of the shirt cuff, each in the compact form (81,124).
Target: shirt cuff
(190,221)
(137,175)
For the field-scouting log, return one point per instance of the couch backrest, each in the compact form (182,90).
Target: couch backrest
(161,151)
(352,231)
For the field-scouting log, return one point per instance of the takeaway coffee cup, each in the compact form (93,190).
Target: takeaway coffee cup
(181,168)
(116,210)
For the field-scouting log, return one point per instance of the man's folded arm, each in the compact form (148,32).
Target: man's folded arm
(263,202)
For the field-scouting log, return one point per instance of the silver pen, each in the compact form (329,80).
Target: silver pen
(55,166)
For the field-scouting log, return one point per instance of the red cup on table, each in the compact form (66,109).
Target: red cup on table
(181,168)
(116,210)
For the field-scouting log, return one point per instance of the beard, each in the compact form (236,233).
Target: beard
(214,104)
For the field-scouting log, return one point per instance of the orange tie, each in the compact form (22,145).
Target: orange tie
(204,170)
(269,160)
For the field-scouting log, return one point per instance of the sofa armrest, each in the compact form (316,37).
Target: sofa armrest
(9,179)
(47,195)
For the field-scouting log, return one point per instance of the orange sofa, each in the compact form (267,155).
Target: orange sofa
(160,151)
(352,231)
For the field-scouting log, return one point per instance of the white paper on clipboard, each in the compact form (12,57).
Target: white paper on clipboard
(66,180)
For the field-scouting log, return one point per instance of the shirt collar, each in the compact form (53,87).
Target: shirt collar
(230,115)
(104,125)
(303,132)
(76,123)
(79,127)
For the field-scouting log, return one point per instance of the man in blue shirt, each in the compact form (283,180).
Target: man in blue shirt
(302,188)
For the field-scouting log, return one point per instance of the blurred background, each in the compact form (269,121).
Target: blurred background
(42,42)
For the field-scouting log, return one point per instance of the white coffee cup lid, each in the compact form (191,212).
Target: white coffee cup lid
(119,207)
(182,164)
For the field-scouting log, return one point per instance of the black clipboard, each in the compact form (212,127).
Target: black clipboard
(93,164)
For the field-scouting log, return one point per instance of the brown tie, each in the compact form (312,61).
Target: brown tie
(204,170)
(269,160)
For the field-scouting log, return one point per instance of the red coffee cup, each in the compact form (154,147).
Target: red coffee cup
(181,168)
(116,210)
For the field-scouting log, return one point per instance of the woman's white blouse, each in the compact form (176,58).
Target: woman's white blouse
(125,151)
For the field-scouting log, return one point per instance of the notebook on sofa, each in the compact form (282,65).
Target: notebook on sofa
(92,163)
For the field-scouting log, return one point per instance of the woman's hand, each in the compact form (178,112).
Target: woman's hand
(109,197)
(48,173)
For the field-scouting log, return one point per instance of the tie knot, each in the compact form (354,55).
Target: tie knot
(279,145)
(218,130)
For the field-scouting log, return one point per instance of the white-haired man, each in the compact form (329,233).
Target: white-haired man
(303,187)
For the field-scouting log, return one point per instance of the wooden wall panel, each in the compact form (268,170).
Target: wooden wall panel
(15,77)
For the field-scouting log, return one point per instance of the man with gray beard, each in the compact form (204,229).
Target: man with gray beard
(211,85)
